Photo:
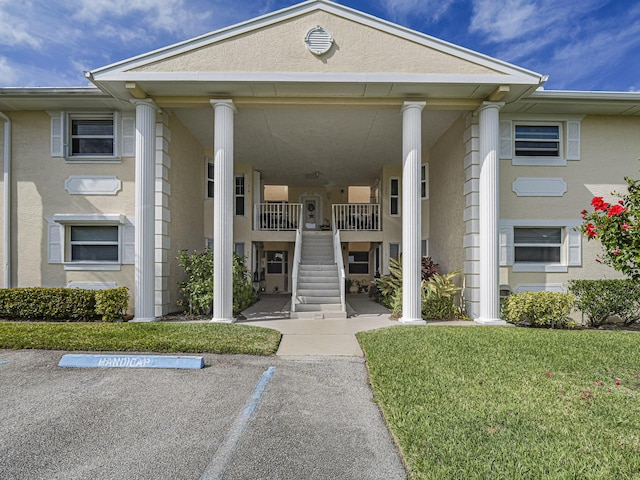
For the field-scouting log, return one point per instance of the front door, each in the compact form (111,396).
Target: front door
(310,207)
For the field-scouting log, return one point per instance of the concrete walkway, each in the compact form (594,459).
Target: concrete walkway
(302,337)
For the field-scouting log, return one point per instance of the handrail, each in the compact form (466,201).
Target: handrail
(337,253)
(297,253)
(277,216)
(356,216)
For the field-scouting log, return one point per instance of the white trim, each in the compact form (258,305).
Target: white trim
(539,287)
(92,185)
(92,285)
(308,77)
(89,218)
(91,266)
(540,267)
(539,187)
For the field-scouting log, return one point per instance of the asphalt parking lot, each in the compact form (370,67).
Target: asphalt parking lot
(315,420)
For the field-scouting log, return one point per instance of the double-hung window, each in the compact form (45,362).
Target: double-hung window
(394,197)
(537,140)
(540,245)
(540,140)
(537,244)
(210,180)
(92,136)
(359,263)
(240,196)
(93,243)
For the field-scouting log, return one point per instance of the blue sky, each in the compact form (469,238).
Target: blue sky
(595,46)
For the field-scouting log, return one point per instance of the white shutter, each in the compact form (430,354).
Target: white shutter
(58,132)
(506,141)
(506,246)
(56,242)
(573,140)
(128,139)
(574,240)
(128,244)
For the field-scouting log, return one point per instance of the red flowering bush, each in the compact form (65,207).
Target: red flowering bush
(617,227)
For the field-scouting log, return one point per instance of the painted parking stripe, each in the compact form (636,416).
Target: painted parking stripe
(82,360)
(223,456)
(2,362)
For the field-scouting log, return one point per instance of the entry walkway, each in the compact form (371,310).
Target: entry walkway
(304,337)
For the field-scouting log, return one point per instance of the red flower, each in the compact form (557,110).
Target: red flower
(625,226)
(599,204)
(549,374)
(591,230)
(616,210)
(616,251)
(583,212)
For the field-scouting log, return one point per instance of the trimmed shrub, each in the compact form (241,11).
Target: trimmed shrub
(540,309)
(111,304)
(601,299)
(68,304)
(198,288)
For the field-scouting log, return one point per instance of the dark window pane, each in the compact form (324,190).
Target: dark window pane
(99,253)
(537,235)
(358,256)
(394,187)
(92,128)
(210,189)
(239,205)
(360,268)
(394,205)
(210,170)
(394,250)
(94,233)
(423,189)
(274,267)
(92,146)
(542,132)
(537,254)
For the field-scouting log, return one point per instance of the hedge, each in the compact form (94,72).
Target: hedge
(601,299)
(539,309)
(69,304)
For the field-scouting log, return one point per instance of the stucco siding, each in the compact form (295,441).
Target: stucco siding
(39,193)
(609,150)
(447,201)
(280,48)
(186,177)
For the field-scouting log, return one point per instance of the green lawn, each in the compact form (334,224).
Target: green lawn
(509,403)
(140,337)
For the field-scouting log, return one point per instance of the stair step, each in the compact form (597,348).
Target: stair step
(319,315)
(306,300)
(317,285)
(327,292)
(318,307)
(318,268)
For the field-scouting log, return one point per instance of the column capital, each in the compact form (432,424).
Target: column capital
(411,104)
(487,105)
(145,102)
(223,102)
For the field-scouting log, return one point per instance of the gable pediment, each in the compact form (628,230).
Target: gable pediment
(280,47)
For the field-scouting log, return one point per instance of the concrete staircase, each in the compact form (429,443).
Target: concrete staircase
(318,289)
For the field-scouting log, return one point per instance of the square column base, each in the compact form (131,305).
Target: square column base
(143,319)
(222,320)
(412,321)
(490,321)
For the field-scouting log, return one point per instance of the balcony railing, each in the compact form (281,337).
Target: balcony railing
(276,216)
(356,216)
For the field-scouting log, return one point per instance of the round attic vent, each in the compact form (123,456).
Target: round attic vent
(318,40)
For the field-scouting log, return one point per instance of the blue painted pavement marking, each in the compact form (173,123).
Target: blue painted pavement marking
(2,362)
(84,360)
(223,456)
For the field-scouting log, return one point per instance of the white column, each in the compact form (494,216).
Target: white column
(489,213)
(144,282)
(223,211)
(411,212)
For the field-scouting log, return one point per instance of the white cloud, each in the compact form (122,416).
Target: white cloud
(401,11)
(8,74)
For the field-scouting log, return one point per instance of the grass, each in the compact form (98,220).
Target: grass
(509,403)
(140,337)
